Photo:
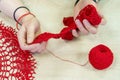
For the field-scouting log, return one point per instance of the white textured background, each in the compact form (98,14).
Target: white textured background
(50,13)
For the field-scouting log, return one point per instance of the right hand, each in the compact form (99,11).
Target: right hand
(27,32)
(85,27)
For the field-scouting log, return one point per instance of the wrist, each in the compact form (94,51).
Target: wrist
(22,10)
(26,18)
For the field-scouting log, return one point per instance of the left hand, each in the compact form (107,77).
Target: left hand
(28,31)
(86,27)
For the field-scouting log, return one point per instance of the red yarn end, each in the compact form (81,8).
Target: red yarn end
(100,57)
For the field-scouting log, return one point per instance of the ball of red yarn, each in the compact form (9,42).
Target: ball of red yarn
(100,57)
(89,12)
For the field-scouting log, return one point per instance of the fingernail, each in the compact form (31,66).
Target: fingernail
(84,20)
(76,20)
(29,41)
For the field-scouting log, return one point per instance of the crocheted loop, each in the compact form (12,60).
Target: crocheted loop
(15,64)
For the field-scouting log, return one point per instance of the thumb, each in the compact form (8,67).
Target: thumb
(30,35)
(103,21)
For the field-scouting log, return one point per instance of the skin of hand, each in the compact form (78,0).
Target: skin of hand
(30,25)
(28,31)
(86,27)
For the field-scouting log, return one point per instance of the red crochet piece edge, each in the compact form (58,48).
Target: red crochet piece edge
(15,64)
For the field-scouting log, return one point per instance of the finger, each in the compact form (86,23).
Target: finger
(39,47)
(76,12)
(30,34)
(89,27)
(36,49)
(81,27)
(103,21)
(30,47)
(22,40)
(41,50)
(75,33)
(22,37)
(43,46)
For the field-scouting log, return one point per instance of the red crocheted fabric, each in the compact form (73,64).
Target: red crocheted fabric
(89,13)
(100,57)
(15,64)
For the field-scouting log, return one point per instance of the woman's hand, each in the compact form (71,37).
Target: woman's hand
(85,27)
(28,31)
